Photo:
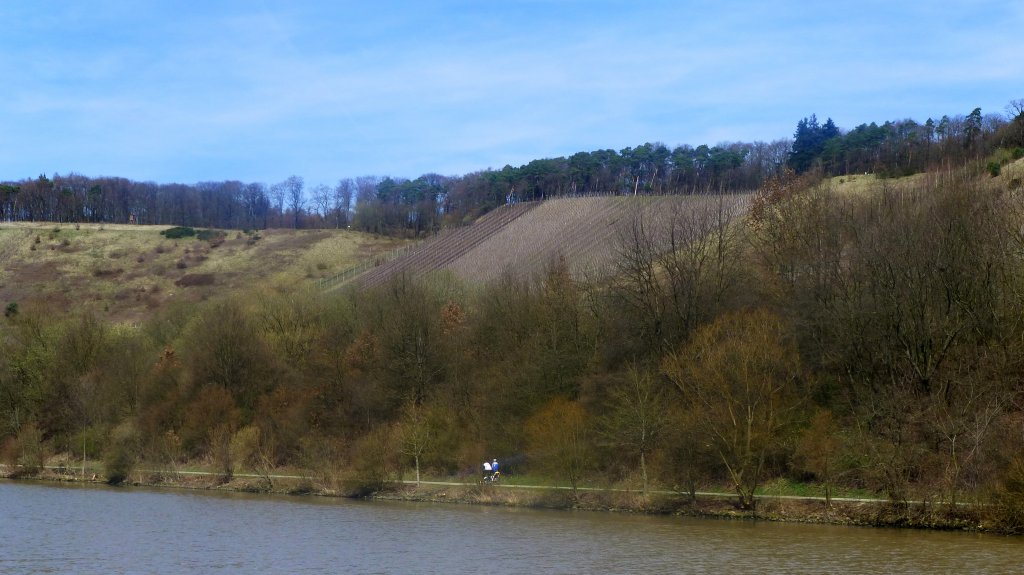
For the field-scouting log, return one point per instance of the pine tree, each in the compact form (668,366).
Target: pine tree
(809,142)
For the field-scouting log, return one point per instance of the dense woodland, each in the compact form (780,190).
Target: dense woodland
(861,341)
(423,205)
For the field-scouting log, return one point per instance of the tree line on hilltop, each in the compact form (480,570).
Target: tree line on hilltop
(425,204)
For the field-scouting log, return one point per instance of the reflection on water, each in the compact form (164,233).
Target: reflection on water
(85,529)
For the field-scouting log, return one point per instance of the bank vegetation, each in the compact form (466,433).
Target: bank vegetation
(850,334)
(864,340)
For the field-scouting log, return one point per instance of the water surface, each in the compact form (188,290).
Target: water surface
(46,528)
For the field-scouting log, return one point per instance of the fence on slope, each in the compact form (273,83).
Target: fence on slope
(346,275)
(576,230)
(582,229)
(446,247)
(589,245)
(509,247)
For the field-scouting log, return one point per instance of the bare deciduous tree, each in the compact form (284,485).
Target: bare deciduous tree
(559,440)
(679,268)
(741,380)
(637,416)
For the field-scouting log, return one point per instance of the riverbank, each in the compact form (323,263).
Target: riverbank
(842,511)
(862,512)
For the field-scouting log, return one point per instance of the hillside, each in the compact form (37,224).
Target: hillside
(867,328)
(522,239)
(124,272)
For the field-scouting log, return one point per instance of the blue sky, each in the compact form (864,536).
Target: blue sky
(258,90)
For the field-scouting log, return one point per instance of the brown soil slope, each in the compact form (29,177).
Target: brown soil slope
(524,239)
(446,247)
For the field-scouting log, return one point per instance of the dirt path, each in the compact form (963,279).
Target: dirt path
(68,471)
(717,494)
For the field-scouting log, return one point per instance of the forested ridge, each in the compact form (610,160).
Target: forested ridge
(400,206)
(864,339)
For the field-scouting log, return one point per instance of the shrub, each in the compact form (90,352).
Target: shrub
(1008,504)
(9,451)
(244,447)
(213,406)
(107,272)
(1018,153)
(375,460)
(220,451)
(213,236)
(191,280)
(89,443)
(993,168)
(323,458)
(121,453)
(11,310)
(178,232)
(29,450)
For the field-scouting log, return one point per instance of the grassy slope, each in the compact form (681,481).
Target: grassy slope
(863,183)
(1010,172)
(124,272)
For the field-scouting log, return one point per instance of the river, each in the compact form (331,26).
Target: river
(47,528)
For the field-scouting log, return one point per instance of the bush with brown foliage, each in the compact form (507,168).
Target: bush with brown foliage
(194,280)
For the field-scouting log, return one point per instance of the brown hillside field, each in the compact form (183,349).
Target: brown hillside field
(588,232)
(123,272)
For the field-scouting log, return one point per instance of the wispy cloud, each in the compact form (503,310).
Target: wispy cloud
(258,91)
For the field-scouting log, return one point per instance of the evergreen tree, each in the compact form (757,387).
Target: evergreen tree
(809,142)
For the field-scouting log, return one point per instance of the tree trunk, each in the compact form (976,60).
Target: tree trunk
(643,471)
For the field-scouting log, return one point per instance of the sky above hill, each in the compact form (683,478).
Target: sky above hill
(257,90)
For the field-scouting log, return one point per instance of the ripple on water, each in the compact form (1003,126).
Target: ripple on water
(56,529)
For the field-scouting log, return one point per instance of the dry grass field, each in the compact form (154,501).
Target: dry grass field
(864,183)
(1011,172)
(123,272)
